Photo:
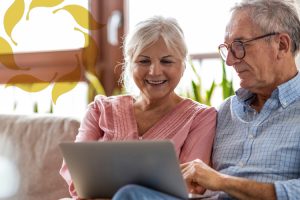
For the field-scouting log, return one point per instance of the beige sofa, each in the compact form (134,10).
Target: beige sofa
(30,143)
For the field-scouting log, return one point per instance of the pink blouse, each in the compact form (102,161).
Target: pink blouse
(190,126)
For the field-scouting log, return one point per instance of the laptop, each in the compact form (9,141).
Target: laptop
(99,169)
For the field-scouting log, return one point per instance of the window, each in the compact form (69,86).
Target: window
(203,23)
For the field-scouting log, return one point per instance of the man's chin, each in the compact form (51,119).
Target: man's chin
(245,84)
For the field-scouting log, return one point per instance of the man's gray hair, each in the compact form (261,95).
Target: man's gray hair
(274,16)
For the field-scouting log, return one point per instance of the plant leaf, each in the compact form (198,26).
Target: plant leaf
(196,92)
(35,107)
(82,16)
(230,89)
(90,52)
(195,72)
(224,81)
(61,86)
(210,92)
(7,56)
(12,16)
(42,3)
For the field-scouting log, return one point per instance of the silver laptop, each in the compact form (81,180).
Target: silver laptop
(99,169)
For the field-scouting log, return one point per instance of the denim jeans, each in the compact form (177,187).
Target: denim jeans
(136,192)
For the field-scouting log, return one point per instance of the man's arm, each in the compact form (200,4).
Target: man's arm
(197,173)
(241,188)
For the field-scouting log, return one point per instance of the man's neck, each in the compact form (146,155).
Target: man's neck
(263,94)
(258,102)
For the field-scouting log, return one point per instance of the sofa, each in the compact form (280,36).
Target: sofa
(29,150)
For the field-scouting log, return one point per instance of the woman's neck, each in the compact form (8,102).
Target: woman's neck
(144,104)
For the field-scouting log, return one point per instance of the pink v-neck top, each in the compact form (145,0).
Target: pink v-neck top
(190,126)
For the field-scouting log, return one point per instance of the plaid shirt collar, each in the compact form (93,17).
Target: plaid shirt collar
(286,93)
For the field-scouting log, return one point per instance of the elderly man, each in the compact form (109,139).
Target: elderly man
(256,152)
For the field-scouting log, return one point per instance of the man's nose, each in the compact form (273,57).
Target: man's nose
(231,59)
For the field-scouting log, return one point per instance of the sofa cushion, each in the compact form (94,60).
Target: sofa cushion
(31,143)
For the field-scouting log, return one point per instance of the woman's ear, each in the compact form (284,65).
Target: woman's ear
(285,45)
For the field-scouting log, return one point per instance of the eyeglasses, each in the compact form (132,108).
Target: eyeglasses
(237,48)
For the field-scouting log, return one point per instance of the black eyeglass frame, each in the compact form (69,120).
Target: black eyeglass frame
(229,46)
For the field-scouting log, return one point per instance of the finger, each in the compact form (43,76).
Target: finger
(184,170)
(198,189)
(188,171)
(188,177)
(189,167)
(184,165)
(193,186)
(193,164)
(189,185)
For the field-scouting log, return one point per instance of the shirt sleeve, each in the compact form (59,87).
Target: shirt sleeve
(89,130)
(288,190)
(199,141)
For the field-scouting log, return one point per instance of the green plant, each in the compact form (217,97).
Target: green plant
(198,93)
(201,95)
(227,85)
(51,108)
(35,107)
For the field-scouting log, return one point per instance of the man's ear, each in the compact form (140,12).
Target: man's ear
(285,44)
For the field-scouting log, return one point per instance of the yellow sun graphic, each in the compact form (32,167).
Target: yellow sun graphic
(85,62)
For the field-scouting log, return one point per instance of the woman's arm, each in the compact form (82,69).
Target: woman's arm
(199,141)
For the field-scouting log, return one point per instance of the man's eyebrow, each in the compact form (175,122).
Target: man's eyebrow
(239,39)
(235,39)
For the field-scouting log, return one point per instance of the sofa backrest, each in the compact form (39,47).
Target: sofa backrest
(31,143)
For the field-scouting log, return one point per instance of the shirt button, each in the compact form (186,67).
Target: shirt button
(241,164)
(251,136)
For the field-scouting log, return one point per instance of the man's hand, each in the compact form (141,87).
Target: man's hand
(199,175)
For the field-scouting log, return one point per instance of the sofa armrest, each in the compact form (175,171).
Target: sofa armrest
(31,142)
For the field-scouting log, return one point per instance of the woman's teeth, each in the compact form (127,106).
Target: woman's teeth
(156,82)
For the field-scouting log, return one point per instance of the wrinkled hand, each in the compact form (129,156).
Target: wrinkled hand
(199,175)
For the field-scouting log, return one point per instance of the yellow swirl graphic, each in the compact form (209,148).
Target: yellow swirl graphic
(61,86)
(30,83)
(7,56)
(42,3)
(89,53)
(82,16)
(12,16)
(37,86)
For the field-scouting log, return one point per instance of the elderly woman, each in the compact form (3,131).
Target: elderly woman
(155,54)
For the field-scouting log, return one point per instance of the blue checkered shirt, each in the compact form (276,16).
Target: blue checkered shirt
(263,146)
